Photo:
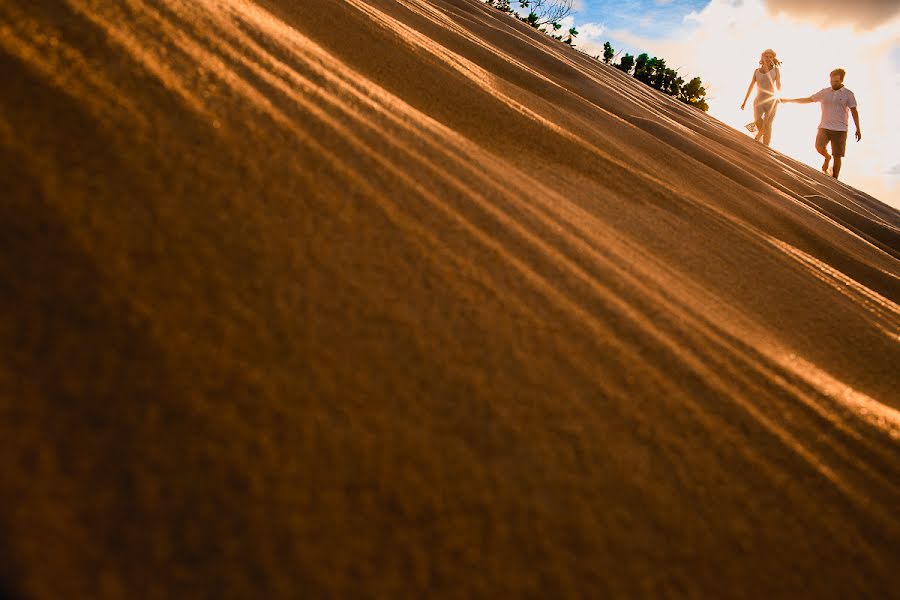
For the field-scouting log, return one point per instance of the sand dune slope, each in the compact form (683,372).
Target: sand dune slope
(402,298)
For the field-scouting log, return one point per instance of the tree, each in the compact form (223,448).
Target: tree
(547,12)
(673,83)
(626,64)
(641,69)
(501,5)
(608,52)
(645,70)
(657,75)
(572,33)
(694,94)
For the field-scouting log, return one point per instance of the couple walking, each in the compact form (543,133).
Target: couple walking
(837,102)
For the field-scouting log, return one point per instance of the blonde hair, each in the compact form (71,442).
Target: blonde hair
(775,60)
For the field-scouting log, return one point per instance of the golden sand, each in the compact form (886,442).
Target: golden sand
(403,298)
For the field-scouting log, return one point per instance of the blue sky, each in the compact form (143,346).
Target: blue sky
(652,19)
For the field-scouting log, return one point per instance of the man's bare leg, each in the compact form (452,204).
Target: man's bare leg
(836,169)
(824,152)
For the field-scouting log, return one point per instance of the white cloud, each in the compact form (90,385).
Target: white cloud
(566,23)
(591,32)
(866,14)
(591,37)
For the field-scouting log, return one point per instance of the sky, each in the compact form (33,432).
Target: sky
(721,40)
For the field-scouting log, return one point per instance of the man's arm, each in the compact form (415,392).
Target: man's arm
(806,100)
(855,114)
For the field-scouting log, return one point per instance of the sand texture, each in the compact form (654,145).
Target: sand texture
(404,299)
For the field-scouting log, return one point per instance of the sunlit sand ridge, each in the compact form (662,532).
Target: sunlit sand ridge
(404,298)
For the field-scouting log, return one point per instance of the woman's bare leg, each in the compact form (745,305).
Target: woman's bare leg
(769,118)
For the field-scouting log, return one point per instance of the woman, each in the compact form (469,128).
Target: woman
(767,79)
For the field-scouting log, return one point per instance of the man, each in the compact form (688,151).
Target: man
(836,102)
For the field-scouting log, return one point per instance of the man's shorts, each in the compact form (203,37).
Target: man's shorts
(838,140)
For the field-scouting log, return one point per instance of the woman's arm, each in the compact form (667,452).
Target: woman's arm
(778,79)
(749,89)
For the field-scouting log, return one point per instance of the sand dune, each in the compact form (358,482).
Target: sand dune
(403,298)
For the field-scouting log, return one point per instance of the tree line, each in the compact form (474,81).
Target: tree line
(648,69)
(654,72)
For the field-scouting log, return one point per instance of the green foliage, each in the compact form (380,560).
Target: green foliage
(608,52)
(546,12)
(626,64)
(654,72)
(501,5)
(541,15)
(640,63)
(694,94)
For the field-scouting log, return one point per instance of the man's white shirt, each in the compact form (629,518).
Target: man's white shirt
(836,105)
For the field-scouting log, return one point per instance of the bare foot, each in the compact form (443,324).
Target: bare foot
(825,168)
